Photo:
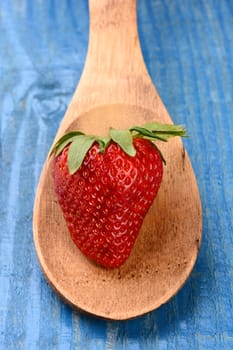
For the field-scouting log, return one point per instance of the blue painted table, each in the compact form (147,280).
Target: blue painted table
(188,49)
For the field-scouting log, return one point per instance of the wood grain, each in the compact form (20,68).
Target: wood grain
(115,90)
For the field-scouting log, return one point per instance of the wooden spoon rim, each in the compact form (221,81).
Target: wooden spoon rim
(127,315)
(78,303)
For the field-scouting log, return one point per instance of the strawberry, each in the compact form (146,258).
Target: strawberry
(105,187)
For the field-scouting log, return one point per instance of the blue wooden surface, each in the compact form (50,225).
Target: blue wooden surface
(188,49)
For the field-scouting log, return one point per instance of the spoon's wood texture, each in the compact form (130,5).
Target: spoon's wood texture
(115,90)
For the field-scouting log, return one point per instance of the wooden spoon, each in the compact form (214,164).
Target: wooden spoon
(116,90)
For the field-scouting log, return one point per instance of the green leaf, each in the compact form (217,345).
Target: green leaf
(78,150)
(63,141)
(124,139)
(161,155)
(158,131)
(145,133)
(63,144)
(170,130)
(103,143)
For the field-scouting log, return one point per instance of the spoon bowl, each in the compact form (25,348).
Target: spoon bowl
(168,243)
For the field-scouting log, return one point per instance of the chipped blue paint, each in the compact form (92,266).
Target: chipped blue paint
(188,49)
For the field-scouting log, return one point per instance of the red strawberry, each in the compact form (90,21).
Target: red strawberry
(106,186)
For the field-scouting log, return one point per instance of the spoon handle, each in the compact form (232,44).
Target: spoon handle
(114,67)
(114,71)
(114,50)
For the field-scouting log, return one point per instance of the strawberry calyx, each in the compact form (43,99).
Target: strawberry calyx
(80,143)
